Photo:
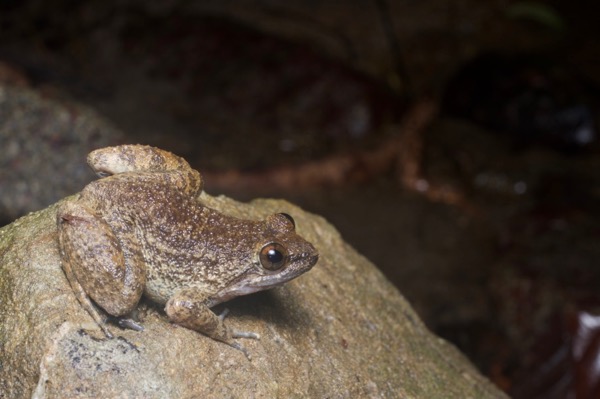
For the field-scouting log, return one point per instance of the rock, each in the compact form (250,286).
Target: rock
(341,330)
(41,139)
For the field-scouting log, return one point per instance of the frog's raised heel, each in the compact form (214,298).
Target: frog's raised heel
(116,160)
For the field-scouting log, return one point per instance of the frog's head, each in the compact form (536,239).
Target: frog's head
(279,256)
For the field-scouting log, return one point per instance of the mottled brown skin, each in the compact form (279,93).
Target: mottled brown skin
(140,230)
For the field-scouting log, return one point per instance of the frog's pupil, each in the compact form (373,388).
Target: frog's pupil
(274,256)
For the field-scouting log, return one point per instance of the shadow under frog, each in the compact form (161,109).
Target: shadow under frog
(140,230)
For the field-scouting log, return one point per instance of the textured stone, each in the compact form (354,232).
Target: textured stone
(40,139)
(341,330)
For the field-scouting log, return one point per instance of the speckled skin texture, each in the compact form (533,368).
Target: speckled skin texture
(140,230)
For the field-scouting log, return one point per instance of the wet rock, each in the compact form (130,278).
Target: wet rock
(341,330)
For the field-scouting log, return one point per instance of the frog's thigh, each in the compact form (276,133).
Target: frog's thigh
(93,260)
(187,308)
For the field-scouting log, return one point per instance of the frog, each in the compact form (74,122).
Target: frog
(140,230)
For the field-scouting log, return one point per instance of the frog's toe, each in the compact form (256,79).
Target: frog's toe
(129,324)
(244,334)
(235,333)
(106,331)
(241,348)
(224,314)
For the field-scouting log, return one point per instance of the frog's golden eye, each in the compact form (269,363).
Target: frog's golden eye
(273,256)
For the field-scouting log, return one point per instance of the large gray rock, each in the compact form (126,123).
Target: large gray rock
(40,138)
(341,330)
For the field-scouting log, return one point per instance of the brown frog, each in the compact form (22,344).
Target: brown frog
(141,230)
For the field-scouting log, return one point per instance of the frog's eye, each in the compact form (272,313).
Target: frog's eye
(289,217)
(281,223)
(273,256)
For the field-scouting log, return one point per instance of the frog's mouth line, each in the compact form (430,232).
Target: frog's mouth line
(252,283)
(240,289)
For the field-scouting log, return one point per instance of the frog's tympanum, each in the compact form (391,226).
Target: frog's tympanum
(141,230)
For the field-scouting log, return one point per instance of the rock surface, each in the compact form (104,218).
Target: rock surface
(341,330)
(39,139)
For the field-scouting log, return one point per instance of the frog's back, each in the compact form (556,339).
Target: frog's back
(131,192)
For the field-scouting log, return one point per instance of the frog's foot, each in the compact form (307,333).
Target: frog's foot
(105,330)
(240,348)
(236,333)
(97,315)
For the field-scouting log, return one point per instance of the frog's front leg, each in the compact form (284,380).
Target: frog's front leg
(96,265)
(188,308)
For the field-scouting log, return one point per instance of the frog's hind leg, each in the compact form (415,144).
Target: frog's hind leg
(110,161)
(93,261)
(84,299)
